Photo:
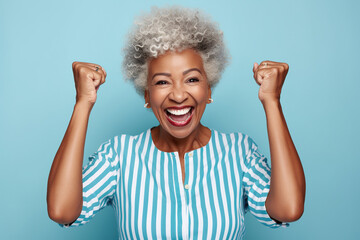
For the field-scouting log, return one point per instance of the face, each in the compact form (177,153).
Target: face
(178,91)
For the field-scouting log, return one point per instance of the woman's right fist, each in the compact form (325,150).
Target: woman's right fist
(88,77)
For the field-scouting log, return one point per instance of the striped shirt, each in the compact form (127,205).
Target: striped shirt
(223,180)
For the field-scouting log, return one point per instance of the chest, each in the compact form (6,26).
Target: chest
(158,197)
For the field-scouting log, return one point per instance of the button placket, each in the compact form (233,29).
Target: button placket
(188,157)
(184,196)
(179,178)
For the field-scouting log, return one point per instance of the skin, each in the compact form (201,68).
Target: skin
(286,198)
(64,191)
(168,86)
(178,86)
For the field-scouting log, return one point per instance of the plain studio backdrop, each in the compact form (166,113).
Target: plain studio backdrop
(39,40)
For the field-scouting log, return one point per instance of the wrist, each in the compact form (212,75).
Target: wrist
(85,105)
(271,104)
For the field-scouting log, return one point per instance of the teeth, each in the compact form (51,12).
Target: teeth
(179,111)
(180,122)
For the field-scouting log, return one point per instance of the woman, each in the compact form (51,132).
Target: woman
(179,179)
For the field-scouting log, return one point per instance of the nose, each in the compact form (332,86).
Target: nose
(178,93)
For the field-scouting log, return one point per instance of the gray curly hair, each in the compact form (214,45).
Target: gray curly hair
(173,28)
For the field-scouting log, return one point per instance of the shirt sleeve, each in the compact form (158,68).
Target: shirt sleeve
(256,180)
(99,179)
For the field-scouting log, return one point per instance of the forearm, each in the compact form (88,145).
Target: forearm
(285,201)
(64,193)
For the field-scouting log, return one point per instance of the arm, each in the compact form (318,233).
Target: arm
(285,201)
(64,191)
(64,194)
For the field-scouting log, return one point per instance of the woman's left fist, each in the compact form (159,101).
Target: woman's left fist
(270,76)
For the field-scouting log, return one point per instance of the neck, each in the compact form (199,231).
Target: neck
(168,143)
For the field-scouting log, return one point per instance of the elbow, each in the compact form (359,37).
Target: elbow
(63,210)
(61,215)
(55,215)
(287,212)
(296,209)
(286,207)
(288,215)
(293,214)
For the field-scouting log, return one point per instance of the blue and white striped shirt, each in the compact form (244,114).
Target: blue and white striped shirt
(223,180)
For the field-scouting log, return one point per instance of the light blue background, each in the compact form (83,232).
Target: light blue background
(318,39)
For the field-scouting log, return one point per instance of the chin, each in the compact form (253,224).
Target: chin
(180,134)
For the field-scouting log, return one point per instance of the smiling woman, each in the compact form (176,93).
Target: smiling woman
(178,81)
(178,92)
(179,179)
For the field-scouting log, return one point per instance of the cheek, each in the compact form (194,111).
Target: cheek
(200,94)
(156,98)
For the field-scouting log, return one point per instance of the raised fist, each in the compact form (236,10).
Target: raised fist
(270,76)
(88,77)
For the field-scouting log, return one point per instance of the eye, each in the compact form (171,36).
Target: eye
(192,80)
(161,82)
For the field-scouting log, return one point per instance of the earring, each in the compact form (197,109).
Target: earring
(145,105)
(211,100)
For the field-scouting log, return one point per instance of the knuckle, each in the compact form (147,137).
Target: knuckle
(74,64)
(82,70)
(78,67)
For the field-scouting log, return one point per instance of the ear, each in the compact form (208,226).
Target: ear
(147,98)
(209,93)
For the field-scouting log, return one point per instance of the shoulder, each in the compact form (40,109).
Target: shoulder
(116,141)
(122,140)
(118,144)
(238,142)
(235,137)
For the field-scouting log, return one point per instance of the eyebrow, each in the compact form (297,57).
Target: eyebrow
(185,72)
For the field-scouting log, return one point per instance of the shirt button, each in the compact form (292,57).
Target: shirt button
(190,154)
(187,186)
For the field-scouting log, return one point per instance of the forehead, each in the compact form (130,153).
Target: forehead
(174,62)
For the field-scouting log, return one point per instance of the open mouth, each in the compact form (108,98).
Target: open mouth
(179,117)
